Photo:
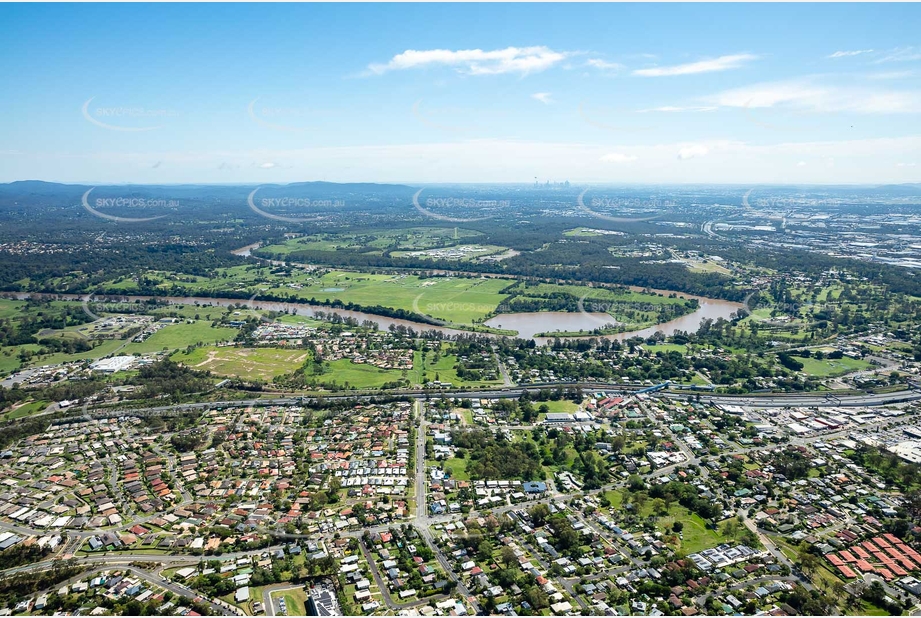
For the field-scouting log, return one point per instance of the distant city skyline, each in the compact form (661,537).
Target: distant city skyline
(606,93)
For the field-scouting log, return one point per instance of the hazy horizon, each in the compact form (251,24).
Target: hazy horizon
(675,94)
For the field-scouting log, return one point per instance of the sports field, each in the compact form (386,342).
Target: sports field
(828,367)
(262,363)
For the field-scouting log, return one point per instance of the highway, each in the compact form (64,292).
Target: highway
(772,400)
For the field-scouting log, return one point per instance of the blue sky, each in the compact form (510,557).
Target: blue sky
(664,93)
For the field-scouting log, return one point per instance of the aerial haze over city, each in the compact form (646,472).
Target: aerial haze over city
(460,309)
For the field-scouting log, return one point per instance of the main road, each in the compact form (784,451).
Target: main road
(772,400)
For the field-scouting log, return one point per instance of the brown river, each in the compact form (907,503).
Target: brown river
(526,324)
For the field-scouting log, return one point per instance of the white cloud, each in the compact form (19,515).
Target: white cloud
(604,65)
(846,54)
(805,94)
(673,108)
(543,97)
(905,164)
(801,164)
(891,75)
(267,165)
(900,54)
(711,65)
(617,157)
(692,150)
(522,60)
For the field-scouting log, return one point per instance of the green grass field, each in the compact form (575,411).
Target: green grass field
(667,347)
(458,468)
(295,601)
(826,368)
(266,363)
(262,363)
(178,336)
(348,374)
(706,266)
(10,308)
(457,300)
(9,356)
(26,409)
(563,405)
(697,536)
(301,319)
(103,349)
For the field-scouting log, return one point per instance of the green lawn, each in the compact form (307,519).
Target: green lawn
(179,336)
(10,308)
(667,347)
(458,468)
(295,600)
(828,368)
(697,536)
(616,498)
(9,356)
(561,406)
(301,319)
(26,409)
(344,371)
(869,609)
(103,349)
(707,266)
